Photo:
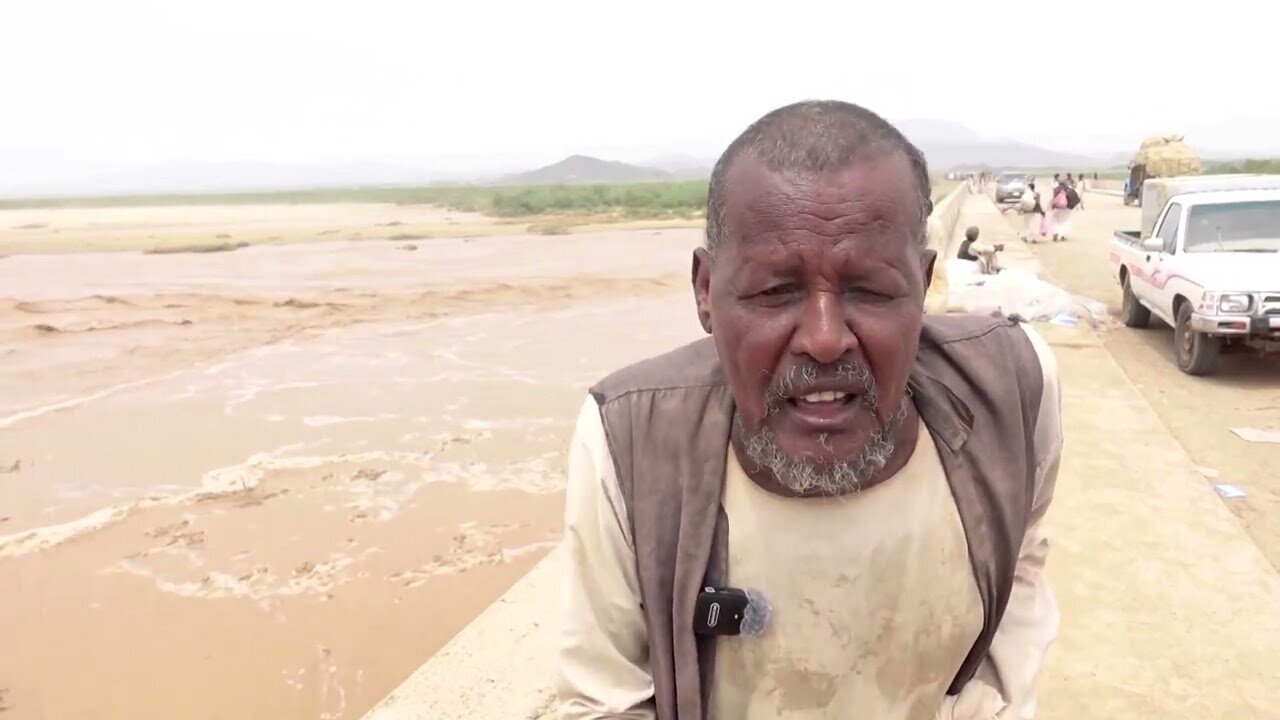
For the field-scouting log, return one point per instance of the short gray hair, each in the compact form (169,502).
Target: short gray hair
(811,137)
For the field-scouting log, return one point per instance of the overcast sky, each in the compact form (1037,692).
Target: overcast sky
(94,85)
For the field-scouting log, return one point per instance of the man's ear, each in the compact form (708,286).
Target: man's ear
(928,257)
(701,277)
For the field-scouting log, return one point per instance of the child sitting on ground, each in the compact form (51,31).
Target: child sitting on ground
(981,253)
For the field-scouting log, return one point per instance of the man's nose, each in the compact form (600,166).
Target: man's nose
(823,333)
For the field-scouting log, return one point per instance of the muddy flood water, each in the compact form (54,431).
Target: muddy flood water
(269,483)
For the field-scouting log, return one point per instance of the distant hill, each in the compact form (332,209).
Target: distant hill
(684,167)
(577,169)
(948,145)
(936,132)
(1004,154)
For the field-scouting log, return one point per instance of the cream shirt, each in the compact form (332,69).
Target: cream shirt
(874,600)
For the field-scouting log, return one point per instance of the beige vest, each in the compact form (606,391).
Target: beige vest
(977,385)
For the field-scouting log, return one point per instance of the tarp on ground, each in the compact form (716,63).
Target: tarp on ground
(1018,292)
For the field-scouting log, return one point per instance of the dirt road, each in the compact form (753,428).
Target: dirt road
(1199,411)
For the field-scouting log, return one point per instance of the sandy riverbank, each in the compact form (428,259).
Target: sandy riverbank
(215,228)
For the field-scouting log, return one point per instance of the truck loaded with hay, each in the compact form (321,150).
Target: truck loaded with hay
(1159,157)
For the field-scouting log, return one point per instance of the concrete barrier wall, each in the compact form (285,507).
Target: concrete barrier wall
(942,226)
(501,666)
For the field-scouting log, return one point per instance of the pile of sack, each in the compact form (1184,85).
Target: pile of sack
(1166,156)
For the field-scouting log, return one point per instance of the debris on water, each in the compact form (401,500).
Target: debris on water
(1228,491)
(12,468)
(1256,435)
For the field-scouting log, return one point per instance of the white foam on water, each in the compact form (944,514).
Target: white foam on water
(503,424)
(219,482)
(242,395)
(261,584)
(326,420)
(35,412)
(473,550)
(379,500)
(536,475)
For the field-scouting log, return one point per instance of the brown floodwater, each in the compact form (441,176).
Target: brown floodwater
(269,483)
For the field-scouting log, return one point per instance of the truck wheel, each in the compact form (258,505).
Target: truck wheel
(1196,352)
(1133,313)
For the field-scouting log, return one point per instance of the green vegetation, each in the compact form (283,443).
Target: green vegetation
(644,200)
(941,187)
(618,201)
(1252,165)
(633,199)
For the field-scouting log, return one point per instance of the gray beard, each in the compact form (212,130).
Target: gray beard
(804,475)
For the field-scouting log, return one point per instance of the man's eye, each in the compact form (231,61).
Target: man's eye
(867,292)
(776,290)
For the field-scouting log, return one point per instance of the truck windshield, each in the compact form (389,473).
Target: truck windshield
(1234,227)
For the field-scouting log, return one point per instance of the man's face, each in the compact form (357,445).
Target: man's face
(815,300)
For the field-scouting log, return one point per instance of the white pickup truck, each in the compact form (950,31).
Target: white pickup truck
(1206,261)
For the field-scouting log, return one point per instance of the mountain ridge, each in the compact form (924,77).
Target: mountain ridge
(947,145)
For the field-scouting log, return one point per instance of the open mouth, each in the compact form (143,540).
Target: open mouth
(824,410)
(822,399)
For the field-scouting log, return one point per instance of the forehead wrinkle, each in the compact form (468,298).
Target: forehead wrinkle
(788,250)
(877,240)
(844,217)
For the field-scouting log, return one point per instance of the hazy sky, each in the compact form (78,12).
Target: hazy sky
(93,85)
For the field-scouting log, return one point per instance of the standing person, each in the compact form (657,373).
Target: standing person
(876,476)
(1032,213)
(1065,200)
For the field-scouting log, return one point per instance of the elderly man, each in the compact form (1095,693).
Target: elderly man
(833,506)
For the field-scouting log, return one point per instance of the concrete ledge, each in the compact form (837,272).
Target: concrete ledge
(941,227)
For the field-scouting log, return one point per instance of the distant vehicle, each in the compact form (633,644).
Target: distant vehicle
(1158,157)
(1206,261)
(1010,186)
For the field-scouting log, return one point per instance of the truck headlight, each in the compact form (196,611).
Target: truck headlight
(1235,302)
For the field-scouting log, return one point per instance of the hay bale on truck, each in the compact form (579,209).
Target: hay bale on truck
(1159,157)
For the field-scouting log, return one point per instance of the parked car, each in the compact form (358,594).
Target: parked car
(1207,262)
(1010,186)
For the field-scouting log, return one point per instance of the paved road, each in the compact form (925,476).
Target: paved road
(1245,391)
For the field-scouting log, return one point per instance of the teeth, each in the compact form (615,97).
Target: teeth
(825,396)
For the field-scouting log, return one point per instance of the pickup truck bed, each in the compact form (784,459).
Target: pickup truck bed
(1126,247)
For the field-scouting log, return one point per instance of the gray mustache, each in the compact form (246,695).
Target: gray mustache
(798,378)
